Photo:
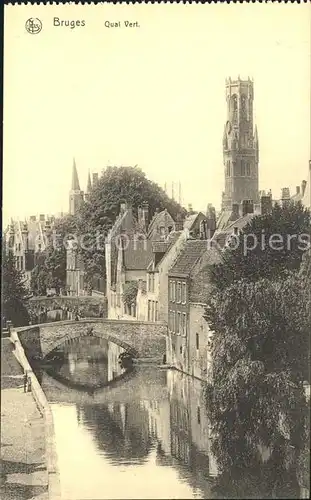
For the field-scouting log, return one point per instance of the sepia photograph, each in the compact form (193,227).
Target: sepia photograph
(156,255)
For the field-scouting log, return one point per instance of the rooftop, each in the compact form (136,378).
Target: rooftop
(188,257)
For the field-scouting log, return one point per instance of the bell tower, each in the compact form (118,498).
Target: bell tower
(240,145)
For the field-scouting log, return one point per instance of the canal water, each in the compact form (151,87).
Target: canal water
(137,433)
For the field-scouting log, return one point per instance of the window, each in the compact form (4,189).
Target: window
(228,168)
(170,290)
(178,323)
(184,293)
(248,169)
(180,349)
(22,263)
(162,231)
(174,322)
(197,341)
(174,290)
(149,310)
(39,247)
(152,310)
(242,168)
(179,291)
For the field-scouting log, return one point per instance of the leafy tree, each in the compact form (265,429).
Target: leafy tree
(38,280)
(50,270)
(260,314)
(130,293)
(98,214)
(14,292)
(268,246)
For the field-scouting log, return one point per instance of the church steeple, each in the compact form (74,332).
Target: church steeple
(240,145)
(89,183)
(76,195)
(75,185)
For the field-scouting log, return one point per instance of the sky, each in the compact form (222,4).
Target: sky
(152,96)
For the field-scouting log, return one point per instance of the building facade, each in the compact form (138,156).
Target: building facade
(28,241)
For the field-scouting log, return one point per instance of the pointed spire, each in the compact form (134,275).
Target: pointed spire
(89,183)
(75,186)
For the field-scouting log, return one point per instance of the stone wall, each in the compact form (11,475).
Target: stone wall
(44,408)
(143,339)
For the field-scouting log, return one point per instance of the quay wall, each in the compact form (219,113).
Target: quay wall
(45,410)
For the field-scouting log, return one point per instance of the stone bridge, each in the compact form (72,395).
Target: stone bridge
(143,339)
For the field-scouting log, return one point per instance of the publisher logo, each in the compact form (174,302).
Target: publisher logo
(33,25)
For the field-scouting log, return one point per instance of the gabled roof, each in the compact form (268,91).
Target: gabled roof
(161,219)
(221,235)
(224,219)
(137,254)
(170,240)
(188,257)
(200,285)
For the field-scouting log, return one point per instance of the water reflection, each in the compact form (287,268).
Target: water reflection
(87,362)
(147,436)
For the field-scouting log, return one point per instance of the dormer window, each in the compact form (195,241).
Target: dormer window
(235,231)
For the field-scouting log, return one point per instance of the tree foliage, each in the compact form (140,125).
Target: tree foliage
(130,293)
(98,214)
(280,239)
(260,314)
(50,268)
(14,292)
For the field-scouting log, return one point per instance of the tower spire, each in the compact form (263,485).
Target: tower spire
(76,196)
(89,183)
(75,185)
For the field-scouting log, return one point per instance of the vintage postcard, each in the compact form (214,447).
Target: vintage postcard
(156,261)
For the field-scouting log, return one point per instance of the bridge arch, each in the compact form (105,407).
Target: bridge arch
(143,339)
(110,338)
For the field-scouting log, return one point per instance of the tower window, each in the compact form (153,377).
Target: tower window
(248,169)
(242,168)
(228,169)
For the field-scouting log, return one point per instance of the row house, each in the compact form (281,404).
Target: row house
(28,241)
(127,253)
(189,335)
(152,303)
(188,290)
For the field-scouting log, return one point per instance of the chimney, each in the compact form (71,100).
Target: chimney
(297,189)
(247,207)
(211,220)
(32,218)
(145,213)
(285,195)
(203,230)
(303,187)
(95,178)
(179,224)
(265,205)
(235,214)
(123,207)
(42,217)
